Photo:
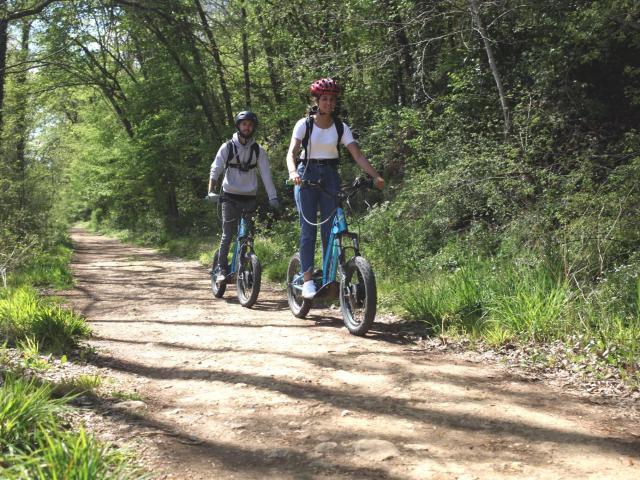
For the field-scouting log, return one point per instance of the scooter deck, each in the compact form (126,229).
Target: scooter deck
(328,290)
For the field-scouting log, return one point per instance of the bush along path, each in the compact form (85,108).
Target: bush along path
(226,392)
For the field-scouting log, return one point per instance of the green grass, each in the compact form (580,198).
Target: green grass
(27,317)
(82,385)
(49,268)
(30,355)
(446,301)
(34,444)
(500,302)
(26,409)
(274,258)
(24,314)
(525,302)
(503,301)
(75,456)
(530,304)
(122,395)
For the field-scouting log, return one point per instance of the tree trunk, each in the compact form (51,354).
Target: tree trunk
(21,120)
(245,59)
(226,98)
(209,94)
(477,19)
(3,57)
(271,54)
(405,62)
(186,74)
(5,18)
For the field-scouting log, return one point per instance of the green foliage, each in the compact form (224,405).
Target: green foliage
(443,300)
(122,395)
(274,246)
(30,355)
(530,305)
(123,129)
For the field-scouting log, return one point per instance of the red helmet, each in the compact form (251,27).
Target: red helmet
(324,86)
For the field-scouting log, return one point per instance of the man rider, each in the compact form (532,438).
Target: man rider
(238,159)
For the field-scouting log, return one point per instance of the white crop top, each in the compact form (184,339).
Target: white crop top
(323,141)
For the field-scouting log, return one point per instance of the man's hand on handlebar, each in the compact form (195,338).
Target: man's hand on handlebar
(274,203)
(212,197)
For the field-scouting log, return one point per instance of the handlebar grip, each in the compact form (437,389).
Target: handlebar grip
(364,181)
(289,182)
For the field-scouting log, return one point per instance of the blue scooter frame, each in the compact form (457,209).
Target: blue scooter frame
(356,288)
(244,266)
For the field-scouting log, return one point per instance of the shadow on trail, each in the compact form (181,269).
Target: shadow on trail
(264,463)
(373,404)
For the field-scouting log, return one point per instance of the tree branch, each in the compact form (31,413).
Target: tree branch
(29,11)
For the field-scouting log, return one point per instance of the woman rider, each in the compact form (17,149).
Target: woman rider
(320,163)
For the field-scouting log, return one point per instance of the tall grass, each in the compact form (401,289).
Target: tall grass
(530,303)
(447,301)
(74,456)
(505,301)
(526,302)
(34,444)
(615,332)
(46,268)
(26,410)
(24,314)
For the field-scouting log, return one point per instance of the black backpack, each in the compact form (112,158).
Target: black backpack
(232,154)
(307,134)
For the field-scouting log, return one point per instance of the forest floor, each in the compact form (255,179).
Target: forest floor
(220,391)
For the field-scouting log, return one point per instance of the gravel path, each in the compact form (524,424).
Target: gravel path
(229,392)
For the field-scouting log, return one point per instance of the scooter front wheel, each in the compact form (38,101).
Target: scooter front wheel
(248,280)
(358,296)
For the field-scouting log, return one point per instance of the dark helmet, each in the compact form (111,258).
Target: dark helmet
(246,115)
(324,86)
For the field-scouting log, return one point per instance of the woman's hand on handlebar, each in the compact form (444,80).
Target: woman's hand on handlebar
(378,182)
(295,177)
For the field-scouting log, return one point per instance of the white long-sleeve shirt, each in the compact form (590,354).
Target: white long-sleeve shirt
(238,182)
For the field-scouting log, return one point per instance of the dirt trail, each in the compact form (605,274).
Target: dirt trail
(253,394)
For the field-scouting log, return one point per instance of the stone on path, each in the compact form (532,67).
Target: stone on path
(325,447)
(375,449)
(416,447)
(131,406)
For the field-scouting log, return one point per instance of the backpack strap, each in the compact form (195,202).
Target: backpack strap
(232,153)
(340,129)
(305,140)
(255,153)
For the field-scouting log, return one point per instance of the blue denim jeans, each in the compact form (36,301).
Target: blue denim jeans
(308,201)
